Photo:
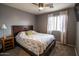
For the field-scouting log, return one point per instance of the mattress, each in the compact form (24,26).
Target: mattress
(36,42)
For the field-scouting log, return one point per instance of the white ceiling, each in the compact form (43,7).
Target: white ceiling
(28,7)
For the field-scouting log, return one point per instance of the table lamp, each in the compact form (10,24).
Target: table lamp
(4,27)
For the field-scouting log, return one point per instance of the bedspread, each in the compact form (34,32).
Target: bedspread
(36,43)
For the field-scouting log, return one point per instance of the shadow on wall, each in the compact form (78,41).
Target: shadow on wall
(57,35)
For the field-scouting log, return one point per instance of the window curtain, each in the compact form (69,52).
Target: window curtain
(58,22)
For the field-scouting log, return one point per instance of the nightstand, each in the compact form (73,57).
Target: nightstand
(7,43)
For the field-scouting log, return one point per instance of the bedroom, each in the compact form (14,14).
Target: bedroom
(18,17)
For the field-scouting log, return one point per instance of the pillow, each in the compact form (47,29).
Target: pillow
(21,35)
(34,32)
(29,32)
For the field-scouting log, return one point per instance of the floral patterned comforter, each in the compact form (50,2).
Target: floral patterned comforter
(36,43)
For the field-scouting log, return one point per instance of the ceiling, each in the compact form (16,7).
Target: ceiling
(29,7)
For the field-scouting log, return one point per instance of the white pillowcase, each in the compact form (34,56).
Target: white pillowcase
(21,35)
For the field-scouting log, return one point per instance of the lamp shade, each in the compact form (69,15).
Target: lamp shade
(4,26)
(41,8)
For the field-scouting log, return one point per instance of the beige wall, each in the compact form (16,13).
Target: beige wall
(11,16)
(71,33)
(41,23)
(77,41)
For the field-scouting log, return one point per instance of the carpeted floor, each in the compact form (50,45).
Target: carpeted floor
(63,50)
(59,50)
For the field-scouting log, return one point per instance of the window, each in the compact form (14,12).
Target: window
(56,23)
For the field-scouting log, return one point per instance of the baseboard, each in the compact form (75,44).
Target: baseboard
(70,45)
(74,48)
(66,44)
(76,51)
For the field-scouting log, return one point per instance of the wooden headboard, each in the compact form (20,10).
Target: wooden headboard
(18,28)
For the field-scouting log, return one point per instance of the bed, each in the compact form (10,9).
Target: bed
(35,44)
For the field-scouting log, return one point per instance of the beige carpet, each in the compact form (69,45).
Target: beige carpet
(59,50)
(62,50)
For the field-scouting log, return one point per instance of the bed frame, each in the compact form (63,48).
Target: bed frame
(18,28)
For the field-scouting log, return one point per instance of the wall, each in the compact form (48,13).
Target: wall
(11,16)
(71,32)
(41,23)
(71,35)
(77,41)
